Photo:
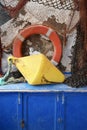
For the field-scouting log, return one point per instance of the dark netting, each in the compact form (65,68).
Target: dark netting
(58,4)
(4,17)
(79,64)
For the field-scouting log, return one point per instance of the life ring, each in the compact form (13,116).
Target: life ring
(38,29)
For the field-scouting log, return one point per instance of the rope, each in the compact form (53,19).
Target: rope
(7,80)
(3,79)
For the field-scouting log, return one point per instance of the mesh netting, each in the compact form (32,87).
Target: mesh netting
(79,64)
(11,3)
(59,4)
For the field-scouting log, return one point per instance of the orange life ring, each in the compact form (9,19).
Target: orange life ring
(38,29)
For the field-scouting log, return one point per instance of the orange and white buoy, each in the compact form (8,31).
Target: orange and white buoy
(38,29)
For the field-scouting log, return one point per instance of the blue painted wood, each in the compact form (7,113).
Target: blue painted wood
(44,107)
(40,111)
(51,87)
(60,111)
(75,111)
(9,116)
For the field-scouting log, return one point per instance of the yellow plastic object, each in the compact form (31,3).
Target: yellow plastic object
(37,69)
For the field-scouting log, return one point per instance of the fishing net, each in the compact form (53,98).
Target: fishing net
(58,4)
(66,12)
(12,6)
(9,3)
(78,77)
(79,63)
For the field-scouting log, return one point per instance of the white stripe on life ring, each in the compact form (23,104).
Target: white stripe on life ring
(49,32)
(20,37)
(54,62)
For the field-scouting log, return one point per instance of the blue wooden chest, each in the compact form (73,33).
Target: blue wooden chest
(46,107)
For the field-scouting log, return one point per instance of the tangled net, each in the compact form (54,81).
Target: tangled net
(58,4)
(79,63)
(13,6)
(79,66)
